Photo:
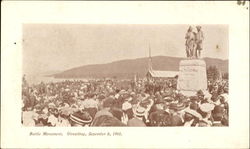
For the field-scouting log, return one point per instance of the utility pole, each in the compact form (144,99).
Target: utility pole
(150,59)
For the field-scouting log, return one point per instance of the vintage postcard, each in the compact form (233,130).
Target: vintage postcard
(87,74)
(125,75)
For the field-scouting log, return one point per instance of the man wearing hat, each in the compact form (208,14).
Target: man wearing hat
(53,116)
(191,117)
(205,111)
(224,103)
(218,116)
(215,99)
(80,119)
(63,120)
(107,104)
(90,102)
(177,113)
(194,102)
(158,116)
(107,121)
(137,120)
(158,105)
(200,96)
(43,116)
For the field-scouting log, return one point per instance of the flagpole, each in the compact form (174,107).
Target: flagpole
(150,59)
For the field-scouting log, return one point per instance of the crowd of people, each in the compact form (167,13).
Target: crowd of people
(109,102)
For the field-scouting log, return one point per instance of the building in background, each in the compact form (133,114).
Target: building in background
(156,74)
(159,74)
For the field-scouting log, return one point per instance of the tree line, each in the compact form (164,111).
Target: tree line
(213,74)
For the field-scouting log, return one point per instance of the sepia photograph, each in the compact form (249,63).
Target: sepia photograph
(140,74)
(125,75)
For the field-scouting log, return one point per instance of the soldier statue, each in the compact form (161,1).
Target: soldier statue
(194,42)
(198,40)
(190,42)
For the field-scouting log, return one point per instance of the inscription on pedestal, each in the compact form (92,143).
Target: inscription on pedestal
(192,75)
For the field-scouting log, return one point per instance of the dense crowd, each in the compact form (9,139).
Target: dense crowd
(122,103)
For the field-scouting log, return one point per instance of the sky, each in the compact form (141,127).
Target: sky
(58,47)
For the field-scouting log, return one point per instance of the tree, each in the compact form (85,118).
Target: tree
(213,73)
(225,76)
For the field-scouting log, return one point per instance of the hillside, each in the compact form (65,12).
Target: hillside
(128,68)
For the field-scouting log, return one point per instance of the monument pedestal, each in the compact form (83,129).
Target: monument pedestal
(192,76)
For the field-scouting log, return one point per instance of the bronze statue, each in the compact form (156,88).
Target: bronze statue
(194,42)
(190,42)
(198,40)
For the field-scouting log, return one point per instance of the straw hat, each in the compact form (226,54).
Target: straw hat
(206,107)
(193,113)
(139,111)
(81,117)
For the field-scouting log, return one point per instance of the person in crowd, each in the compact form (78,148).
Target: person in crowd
(80,119)
(137,120)
(107,121)
(159,116)
(205,110)
(220,118)
(191,117)
(123,103)
(107,104)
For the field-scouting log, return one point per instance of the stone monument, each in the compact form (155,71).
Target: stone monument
(192,71)
(192,76)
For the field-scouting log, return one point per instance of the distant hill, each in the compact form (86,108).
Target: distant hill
(50,73)
(128,68)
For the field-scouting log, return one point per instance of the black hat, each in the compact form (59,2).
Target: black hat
(194,106)
(193,98)
(200,93)
(159,101)
(214,97)
(177,107)
(106,120)
(168,99)
(109,102)
(159,118)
